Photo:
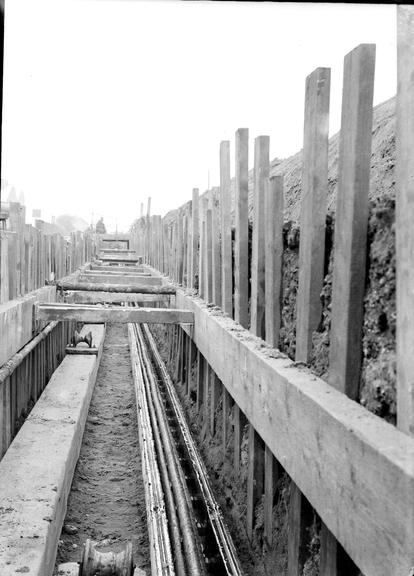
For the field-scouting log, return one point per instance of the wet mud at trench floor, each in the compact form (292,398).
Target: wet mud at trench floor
(107,499)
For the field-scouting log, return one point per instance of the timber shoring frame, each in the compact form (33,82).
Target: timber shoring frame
(355,468)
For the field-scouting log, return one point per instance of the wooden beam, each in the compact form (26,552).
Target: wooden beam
(216,253)
(241,273)
(351,220)
(102,287)
(125,280)
(226,248)
(80,297)
(194,236)
(180,259)
(99,314)
(116,271)
(261,174)
(273,259)
(273,311)
(313,209)
(311,269)
(404,220)
(255,476)
(122,259)
(209,259)
(355,469)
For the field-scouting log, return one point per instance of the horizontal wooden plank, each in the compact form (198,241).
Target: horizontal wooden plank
(80,297)
(117,268)
(114,237)
(118,258)
(117,251)
(355,468)
(123,270)
(100,314)
(74,284)
(133,280)
(82,350)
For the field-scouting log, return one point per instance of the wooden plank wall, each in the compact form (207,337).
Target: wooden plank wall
(212,265)
(32,258)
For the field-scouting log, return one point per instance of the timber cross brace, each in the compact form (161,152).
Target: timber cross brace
(99,314)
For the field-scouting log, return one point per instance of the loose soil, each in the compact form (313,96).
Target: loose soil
(107,500)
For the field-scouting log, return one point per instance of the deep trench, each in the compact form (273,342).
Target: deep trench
(107,499)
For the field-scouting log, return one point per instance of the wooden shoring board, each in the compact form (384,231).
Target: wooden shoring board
(241,259)
(404,221)
(351,222)
(99,314)
(119,268)
(85,297)
(120,259)
(311,268)
(355,469)
(274,202)
(348,284)
(226,248)
(119,271)
(195,236)
(121,279)
(74,284)
(255,475)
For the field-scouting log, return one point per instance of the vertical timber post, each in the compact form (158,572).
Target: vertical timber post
(350,247)
(226,258)
(241,272)
(273,309)
(195,236)
(311,263)
(255,477)
(405,219)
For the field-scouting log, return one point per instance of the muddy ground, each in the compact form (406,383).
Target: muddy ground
(107,500)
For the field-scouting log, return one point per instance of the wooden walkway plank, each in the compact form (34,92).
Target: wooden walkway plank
(404,220)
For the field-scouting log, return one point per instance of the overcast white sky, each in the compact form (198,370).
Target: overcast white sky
(107,102)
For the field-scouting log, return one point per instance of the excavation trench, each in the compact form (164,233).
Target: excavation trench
(107,499)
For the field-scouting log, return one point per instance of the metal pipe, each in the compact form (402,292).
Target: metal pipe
(195,566)
(10,366)
(223,538)
(161,555)
(172,513)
